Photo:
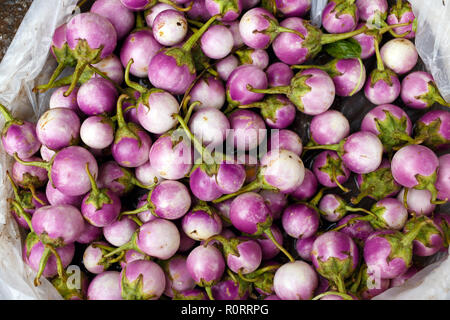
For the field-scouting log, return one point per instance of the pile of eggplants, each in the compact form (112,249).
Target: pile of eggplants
(230,150)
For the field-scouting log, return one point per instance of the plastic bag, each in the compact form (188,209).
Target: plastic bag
(27,63)
(24,63)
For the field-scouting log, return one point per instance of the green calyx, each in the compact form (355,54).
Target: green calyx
(377,184)
(65,55)
(336,270)
(298,90)
(125,130)
(132,244)
(428,183)
(31,240)
(401,8)
(67,293)
(269,107)
(427,231)
(229,246)
(432,96)
(313,40)
(269,5)
(183,55)
(333,168)
(245,55)
(392,131)
(9,119)
(47,240)
(345,7)
(265,282)
(379,222)
(401,247)
(329,68)
(126,180)
(182,58)
(382,75)
(97,197)
(203,206)
(274,29)
(84,55)
(430,133)
(134,290)
(228,5)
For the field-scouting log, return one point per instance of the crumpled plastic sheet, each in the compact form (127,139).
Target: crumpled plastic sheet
(28,62)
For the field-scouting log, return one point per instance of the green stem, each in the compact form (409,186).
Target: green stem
(255,184)
(405,198)
(270,235)
(393,26)
(34,195)
(258,105)
(140,21)
(135,211)
(399,4)
(174,5)
(105,76)
(136,86)
(22,214)
(352,220)
(206,155)
(232,276)
(334,293)
(209,292)
(94,186)
(187,46)
(361,195)
(339,282)
(439,99)
(392,32)
(309,66)
(40,164)
(198,24)
(118,258)
(14,187)
(357,282)
(120,119)
(333,147)
(314,201)
(351,209)
(282,29)
(6,113)
(334,177)
(189,111)
(412,234)
(137,220)
(330,38)
(80,3)
(380,64)
(59,264)
(266,269)
(245,278)
(81,65)
(103,247)
(127,246)
(273,90)
(42,263)
(55,75)
(140,185)
(361,75)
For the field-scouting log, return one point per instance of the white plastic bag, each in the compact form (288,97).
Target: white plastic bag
(27,60)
